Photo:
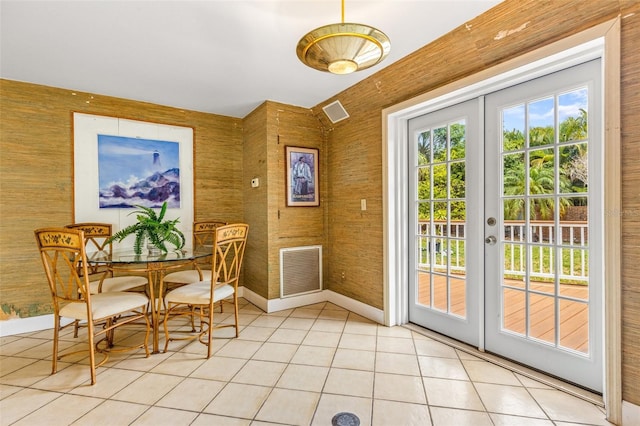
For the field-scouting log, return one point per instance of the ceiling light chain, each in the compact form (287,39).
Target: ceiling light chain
(343,48)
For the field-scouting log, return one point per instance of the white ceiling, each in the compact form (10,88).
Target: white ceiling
(221,57)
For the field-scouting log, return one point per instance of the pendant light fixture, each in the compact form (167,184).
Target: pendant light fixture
(343,48)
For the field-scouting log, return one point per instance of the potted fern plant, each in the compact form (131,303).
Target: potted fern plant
(152,227)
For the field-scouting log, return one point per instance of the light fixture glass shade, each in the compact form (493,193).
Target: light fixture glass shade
(343,48)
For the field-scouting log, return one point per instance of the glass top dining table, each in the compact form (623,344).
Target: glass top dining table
(128,256)
(155,267)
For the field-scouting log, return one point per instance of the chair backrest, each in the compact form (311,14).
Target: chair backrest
(63,254)
(95,234)
(95,239)
(203,231)
(228,252)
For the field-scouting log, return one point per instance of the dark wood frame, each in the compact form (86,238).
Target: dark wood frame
(303,196)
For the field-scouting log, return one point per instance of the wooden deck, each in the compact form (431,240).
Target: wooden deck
(574,316)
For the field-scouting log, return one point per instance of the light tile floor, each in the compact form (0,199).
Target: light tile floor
(295,367)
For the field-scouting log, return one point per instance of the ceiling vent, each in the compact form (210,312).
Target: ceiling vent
(335,111)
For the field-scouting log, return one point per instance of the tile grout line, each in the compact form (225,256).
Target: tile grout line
(531,374)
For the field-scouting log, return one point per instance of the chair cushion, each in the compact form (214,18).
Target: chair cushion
(187,277)
(123,283)
(105,305)
(198,293)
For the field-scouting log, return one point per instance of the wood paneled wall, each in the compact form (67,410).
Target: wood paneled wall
(292,226)
(256,266)
(268,129)
(630,136)
(508,30)
(36,175)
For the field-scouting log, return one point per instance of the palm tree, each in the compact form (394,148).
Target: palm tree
(541,181)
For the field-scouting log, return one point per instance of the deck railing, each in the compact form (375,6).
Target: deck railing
(443,246)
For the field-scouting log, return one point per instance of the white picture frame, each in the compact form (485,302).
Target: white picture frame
(86,128)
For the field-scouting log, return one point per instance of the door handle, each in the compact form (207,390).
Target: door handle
(491,240)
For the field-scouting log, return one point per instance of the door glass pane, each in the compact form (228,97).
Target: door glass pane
(458,300)
(513,176)
(440,144)
(456,179)
(573,115)
(573,316)
(424,253)
(541,172)
(540,116)
(575,273)
(457,256)
(424,288)
(440,215)
(574,168)
(513,230)
(440,292)
(424,147)
(542,231)
(457,141)
(440,181)
(513,127)
(575,217)
(424,225)
(542,268)
(542,317)
(514,256)
(458,216)
(424,183)
(514,318)
(440,257)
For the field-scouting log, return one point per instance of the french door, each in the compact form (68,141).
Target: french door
(507,223)
(446,280)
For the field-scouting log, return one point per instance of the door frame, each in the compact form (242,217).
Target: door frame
(601,41)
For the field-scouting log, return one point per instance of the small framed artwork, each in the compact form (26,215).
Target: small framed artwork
(302,176)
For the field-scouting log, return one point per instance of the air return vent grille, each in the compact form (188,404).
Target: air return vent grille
(335,111)
(300,270)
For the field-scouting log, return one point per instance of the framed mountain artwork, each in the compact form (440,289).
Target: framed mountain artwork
(138,172)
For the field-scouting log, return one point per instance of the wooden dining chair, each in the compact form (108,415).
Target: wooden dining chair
(96,236)
(202,239)
(229,242)
(63,255)
(102,279)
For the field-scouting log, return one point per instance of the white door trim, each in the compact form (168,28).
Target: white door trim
(600,41)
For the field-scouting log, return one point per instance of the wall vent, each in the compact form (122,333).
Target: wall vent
(300,270)
(335,111)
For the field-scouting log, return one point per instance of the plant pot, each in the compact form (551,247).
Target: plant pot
(153,250)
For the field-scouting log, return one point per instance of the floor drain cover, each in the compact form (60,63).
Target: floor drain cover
(345,419)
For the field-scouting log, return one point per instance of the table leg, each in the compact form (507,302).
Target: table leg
(156,276)
(154,311)
(155,271)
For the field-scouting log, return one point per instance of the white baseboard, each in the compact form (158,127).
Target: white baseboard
(275,305)
(44,322)
(291,302)
(630,414)
(362,309)
(252,297)
(27,325)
